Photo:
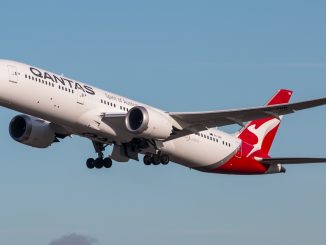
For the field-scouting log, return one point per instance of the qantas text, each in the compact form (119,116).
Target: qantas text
(62,80)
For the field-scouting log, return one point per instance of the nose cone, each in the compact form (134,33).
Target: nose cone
(4,83)
(2,65)
(3,75)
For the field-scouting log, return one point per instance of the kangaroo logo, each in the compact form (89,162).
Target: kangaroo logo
(261,132)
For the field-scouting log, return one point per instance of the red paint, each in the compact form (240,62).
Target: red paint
(246,164)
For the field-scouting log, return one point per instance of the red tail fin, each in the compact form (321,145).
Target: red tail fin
(261,133)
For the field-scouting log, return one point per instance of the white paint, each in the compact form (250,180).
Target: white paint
(261,132)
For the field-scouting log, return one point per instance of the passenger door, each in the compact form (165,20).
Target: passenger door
(80,96)
(13,74)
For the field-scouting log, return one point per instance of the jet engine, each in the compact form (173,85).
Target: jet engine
(148,123)
(31,131)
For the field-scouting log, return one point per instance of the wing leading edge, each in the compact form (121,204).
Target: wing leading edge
(192,122)
(198,121)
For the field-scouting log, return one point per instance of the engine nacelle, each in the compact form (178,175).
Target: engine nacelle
(148,123)
(31,131)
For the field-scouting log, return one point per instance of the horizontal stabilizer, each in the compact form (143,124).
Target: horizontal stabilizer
(290,160)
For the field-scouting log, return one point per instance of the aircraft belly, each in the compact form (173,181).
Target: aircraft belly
(193,153)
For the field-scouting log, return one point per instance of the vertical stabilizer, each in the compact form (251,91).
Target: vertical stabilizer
(261,133)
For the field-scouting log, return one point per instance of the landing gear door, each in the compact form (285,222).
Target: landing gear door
(13,74)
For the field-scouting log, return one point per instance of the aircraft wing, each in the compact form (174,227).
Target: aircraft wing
(116,120)
(198,121)
(290,160)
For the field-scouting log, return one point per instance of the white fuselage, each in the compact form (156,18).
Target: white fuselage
(76,107)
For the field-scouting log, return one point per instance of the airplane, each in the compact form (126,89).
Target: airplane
(54,107)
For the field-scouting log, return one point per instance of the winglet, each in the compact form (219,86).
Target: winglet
(281,97)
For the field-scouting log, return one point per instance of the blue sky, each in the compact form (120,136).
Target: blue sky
(178,56)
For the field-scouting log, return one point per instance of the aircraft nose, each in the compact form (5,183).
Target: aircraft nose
(3,73)
(4,84)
